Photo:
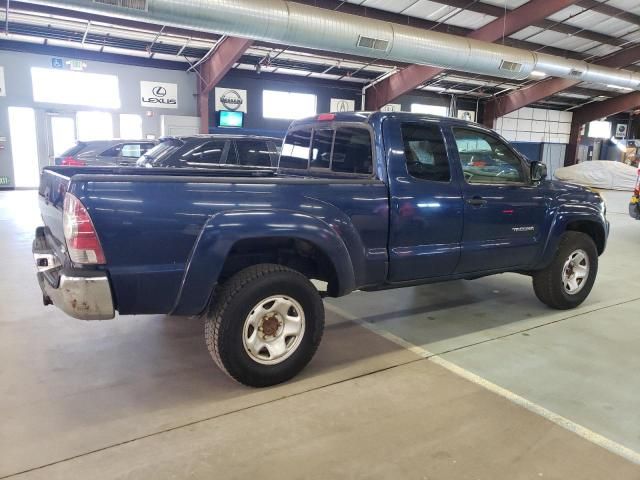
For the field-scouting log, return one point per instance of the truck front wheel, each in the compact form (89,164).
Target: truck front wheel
(265,325)
(568,280)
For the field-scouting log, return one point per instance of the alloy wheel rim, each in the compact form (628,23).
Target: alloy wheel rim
(575,272)
(273,330)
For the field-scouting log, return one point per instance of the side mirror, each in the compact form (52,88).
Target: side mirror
(538,171)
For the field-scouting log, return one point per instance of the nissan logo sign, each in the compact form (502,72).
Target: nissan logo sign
(231,100)
(159,91)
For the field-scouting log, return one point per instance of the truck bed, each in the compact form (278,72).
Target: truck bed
(152,223)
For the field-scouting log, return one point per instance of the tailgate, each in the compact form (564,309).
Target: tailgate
(53,186)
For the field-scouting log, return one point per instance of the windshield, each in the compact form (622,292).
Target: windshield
(161,151)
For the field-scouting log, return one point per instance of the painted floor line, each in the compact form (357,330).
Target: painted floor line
(559,420)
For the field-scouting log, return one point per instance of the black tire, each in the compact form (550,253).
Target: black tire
(548,284)
(233,303)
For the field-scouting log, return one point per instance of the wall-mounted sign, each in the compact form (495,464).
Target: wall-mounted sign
(391,107)
(621,130)
(4,181)
(468,115)
(342,105)
(231,99)
(159,95)
(57,62)
(76,65)
(3,91)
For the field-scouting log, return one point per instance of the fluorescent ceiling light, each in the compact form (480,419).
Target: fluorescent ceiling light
(620,88)
(537,73)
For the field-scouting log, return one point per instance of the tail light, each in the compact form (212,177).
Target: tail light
(73,162)
(81,237)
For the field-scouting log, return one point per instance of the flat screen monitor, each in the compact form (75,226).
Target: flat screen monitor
(231,119)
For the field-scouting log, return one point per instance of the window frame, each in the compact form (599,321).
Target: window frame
(334,126)
(442,131)
(523,164)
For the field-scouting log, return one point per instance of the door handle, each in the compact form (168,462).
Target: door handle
(477,202)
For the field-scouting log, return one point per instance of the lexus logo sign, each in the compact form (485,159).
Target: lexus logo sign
(158,95)
(159,91)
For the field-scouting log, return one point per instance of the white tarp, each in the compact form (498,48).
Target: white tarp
(608,175)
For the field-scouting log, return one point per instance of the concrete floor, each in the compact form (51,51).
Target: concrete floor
(140,398)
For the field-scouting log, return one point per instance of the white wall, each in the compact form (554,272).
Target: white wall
(535,125)
(17,73)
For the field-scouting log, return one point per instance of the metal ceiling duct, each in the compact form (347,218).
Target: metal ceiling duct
(290,23)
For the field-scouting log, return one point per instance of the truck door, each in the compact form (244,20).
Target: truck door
(426,202)
(505,212)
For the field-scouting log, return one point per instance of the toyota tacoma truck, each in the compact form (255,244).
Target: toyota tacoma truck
(360,201)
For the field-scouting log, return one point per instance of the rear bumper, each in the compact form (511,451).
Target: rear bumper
(85,295)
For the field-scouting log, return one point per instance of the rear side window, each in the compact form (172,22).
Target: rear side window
(158,154)
(425,152)
(254,153)
(112,152)
(352,151)
(295,150)
(209,153)
(132,150)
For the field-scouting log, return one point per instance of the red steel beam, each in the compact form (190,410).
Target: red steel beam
(594,111)
(415,75)
(213,69)
(511,102)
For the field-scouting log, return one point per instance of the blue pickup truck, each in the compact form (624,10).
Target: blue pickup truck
(361,201)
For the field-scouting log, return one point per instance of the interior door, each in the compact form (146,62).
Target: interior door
(504,213)
(24,147)
(61,134)
(426,203)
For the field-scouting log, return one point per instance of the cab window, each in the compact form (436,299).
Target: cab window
(425,152)
(295,150)
(321,148)
(352,151)
(486,159)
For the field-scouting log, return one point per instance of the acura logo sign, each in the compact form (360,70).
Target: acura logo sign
(231,100)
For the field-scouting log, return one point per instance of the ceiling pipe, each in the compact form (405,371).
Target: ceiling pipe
(295,24)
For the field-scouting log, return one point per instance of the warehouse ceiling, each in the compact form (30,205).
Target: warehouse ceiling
(588,30)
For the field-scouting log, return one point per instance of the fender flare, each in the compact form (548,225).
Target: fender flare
(223,230)
(564,217)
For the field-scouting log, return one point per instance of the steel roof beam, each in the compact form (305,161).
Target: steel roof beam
(505,104)
(595,111)
(213,69)
(412,77)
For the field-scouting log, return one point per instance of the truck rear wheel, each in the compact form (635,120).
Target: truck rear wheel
(568,280)
(265,325)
